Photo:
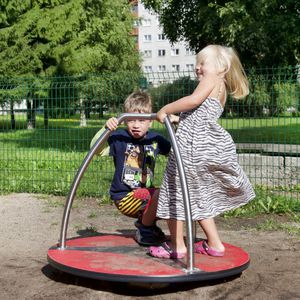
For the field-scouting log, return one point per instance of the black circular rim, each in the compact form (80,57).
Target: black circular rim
(187,277)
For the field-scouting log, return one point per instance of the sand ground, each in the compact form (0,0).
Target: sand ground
(30,224)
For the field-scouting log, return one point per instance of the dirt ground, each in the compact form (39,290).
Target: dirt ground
(30,224)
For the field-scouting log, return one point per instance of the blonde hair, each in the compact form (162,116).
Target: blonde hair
(138,101)
(228,63)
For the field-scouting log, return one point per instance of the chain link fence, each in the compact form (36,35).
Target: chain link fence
(46,125)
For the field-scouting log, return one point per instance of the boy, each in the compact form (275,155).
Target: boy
(134,150)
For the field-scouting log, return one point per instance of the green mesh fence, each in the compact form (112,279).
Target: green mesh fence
(46,125)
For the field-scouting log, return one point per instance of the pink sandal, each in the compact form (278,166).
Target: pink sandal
(203,248)
(165,251)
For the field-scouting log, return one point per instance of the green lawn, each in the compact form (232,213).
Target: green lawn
(264,130)
(45,160)
(284,130)
(267,130)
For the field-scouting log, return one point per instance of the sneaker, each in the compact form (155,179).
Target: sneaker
(148,235)
(154,228)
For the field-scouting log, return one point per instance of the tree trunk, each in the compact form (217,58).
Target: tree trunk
(31,114)
(46,115)
(12,116)
(100,111)
(82,114)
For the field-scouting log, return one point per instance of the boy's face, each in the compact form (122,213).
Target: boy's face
(138,128)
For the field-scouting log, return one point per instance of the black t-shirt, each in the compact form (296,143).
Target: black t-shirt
(134,160)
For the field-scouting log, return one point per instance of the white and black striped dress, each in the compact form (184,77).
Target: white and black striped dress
(215,180)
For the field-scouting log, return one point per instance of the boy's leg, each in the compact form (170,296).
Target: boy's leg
(149,214)
(147,231)
(137,203)
(148,218)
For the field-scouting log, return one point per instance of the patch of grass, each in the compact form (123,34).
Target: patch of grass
(44,197)
(266,202)
(291,228)
(78,227)
(51,172)
(264,130)
(46,160)
(91,228)
(92,215)
(46,171)
(54,202)
(295,188)
(261,130)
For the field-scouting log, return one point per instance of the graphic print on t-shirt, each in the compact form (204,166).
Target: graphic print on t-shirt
(139,165)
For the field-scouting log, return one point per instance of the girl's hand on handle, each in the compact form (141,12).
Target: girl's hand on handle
(174,118)
(160,116)
(112,124)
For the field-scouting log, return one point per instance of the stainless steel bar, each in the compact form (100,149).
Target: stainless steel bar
(83,167)
(186,199)
(86,162)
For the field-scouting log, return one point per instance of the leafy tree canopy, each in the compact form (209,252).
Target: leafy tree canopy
(264,32)
(53,37)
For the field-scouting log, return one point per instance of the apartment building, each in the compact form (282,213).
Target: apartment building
(159,56)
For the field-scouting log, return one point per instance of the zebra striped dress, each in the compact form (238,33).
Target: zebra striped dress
(216,182)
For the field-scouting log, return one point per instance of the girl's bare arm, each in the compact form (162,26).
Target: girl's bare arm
(187,103)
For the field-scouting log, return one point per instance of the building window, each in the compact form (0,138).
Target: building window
(134,8)
(174,52)
(162,68)
(147,38)
(162,82)
(161,37)
(148,69)
(190,67)
(189,51)
(175,68)
(136,23)
(146,22)
(148,53)
(161,52)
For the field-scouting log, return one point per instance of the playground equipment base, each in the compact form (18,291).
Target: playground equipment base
(113,257)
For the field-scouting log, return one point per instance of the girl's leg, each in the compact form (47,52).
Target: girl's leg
(210,229)
(176,233)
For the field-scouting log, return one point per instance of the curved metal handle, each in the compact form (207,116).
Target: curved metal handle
(93,151)
(132,116)
(83,167)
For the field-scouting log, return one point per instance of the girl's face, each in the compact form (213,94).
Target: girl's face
(206,66)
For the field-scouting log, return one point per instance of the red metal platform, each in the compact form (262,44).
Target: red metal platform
(119,258)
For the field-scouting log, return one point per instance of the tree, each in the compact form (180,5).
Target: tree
(66,37)
(264,32)
(50,37)
(169,92)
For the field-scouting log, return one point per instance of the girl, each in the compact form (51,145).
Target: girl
(215,180)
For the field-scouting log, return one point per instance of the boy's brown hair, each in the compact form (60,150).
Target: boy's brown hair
(139,102)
